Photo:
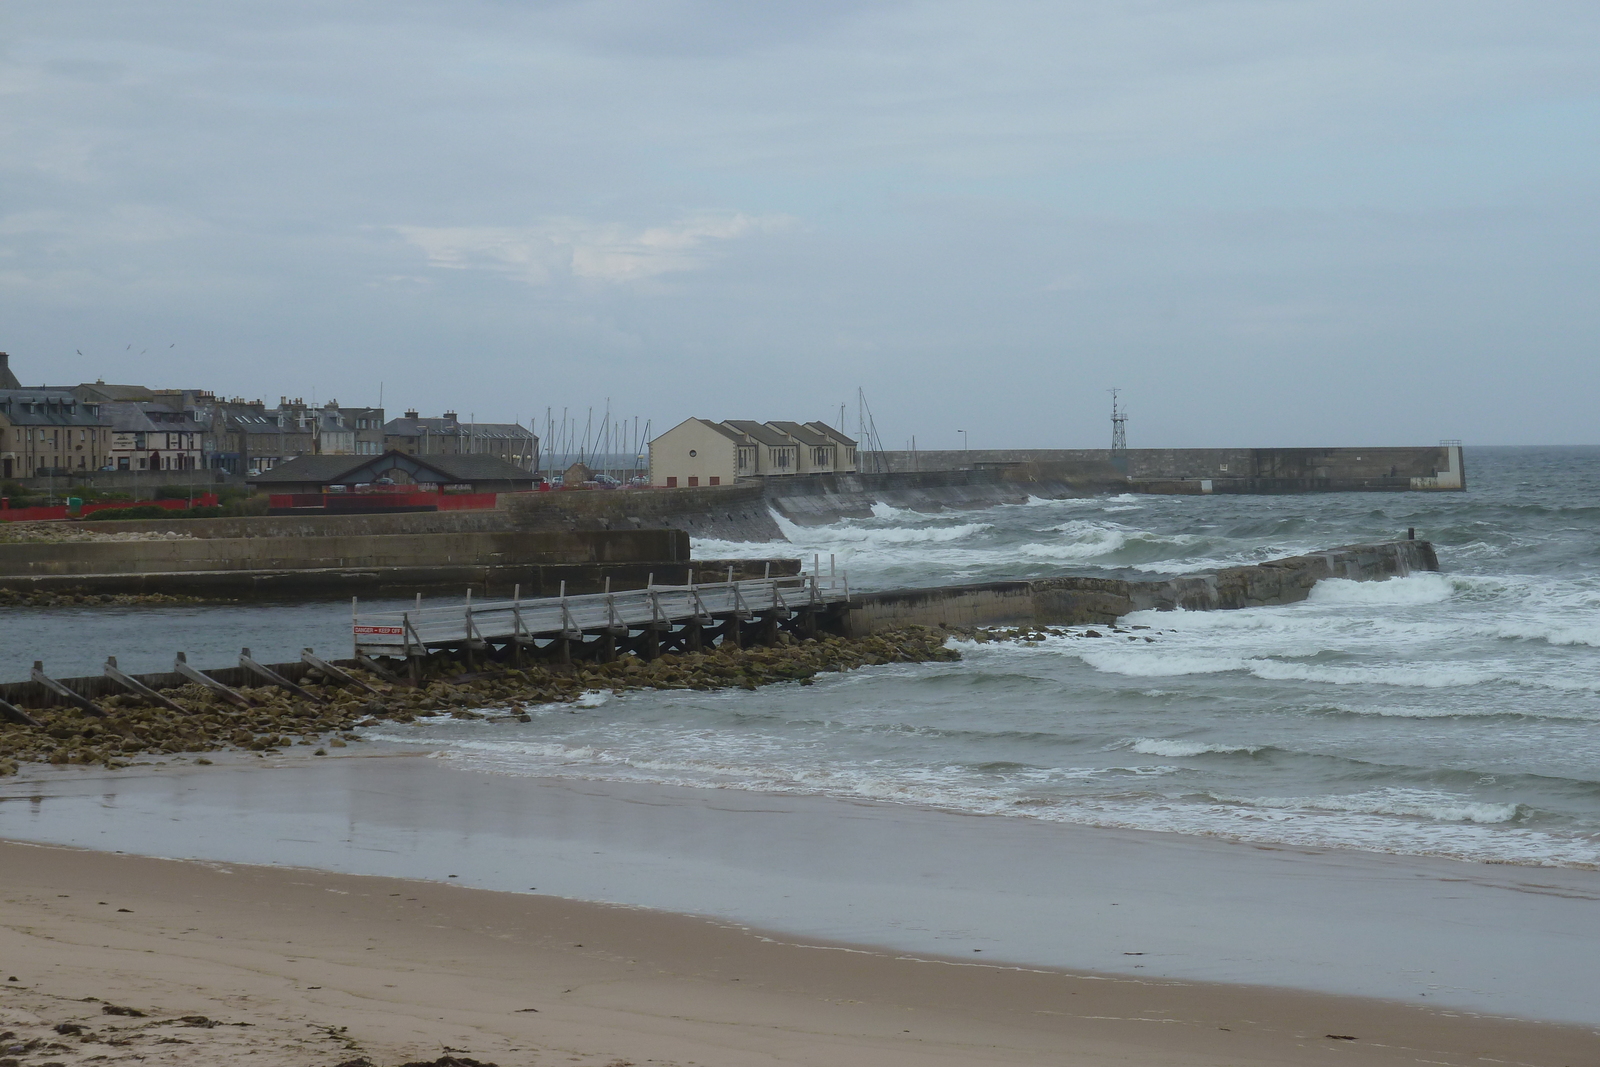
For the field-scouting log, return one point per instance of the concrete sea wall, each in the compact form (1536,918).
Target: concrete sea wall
(1227,470)
(350,564)
(1072,601)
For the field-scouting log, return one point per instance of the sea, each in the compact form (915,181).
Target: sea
(1454,714)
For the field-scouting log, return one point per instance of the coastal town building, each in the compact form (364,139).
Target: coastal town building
(449,436)
(700,452)
(50,432)
(154,436)
(320,474)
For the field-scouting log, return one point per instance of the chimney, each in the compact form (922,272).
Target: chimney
(412,414)
(7,379)
(449,416)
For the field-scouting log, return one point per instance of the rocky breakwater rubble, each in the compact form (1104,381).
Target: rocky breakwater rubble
(13,598)
(62,533)
(276,719)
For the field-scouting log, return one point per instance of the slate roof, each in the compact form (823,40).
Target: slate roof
(733,435)
(763,433)
(453,428)
(47,407)
(329,470)
(828,431)
(134,417)
(804,434)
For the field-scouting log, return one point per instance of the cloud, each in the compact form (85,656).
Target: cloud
(604,251)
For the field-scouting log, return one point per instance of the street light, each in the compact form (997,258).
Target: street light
(965,455)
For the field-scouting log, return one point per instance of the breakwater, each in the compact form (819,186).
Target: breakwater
(1073,600)
(1207,470)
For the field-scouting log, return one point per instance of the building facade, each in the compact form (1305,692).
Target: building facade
(700,452)
(449,436)
(696,452)
(49,431)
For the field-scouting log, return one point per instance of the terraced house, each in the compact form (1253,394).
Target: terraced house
(50,431)
(699,452)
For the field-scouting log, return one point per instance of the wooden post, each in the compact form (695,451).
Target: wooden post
(136,687)
(334,673)
(77,700)
(11,713)
(180,666)
(274,677)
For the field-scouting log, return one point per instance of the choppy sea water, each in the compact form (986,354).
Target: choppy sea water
(1455,714)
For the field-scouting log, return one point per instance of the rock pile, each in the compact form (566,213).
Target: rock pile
(132,729)
(57,531)
(39,598)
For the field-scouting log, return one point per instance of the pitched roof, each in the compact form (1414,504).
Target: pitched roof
(725,430)
(48,407)
(763,433)
(829,432)
(408,427)
(804,434)
(332,470)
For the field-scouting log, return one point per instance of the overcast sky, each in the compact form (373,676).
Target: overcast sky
(1279,222)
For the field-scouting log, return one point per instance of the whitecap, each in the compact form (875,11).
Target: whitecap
(1411,803)
(1173,749)
(1412,589)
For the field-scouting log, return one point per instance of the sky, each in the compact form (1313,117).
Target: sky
(1268,222)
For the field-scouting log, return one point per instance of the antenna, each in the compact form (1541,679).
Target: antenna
(1119,425)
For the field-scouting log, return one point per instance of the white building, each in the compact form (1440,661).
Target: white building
(698,452)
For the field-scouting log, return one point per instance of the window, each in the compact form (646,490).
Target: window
(715,480)
(672,483)
(693,480)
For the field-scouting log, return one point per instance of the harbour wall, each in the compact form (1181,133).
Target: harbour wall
(337,563)
(1074,601)
(1228,470)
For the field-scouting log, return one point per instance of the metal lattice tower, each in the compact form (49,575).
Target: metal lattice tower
(1119,426)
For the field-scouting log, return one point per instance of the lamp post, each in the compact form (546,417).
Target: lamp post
(966,456)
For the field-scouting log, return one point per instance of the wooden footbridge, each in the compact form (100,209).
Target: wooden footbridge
(601,626)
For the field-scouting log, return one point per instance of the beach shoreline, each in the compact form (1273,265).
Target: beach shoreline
(910,880)
(330,967)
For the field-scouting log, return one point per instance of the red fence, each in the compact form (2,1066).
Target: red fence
(60,511)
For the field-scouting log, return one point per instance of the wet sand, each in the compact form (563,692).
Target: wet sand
(1001,940)
(326,968)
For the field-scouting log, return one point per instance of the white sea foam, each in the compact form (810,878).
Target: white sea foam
(1171,749)
(1426,588)
(1410,803)
(593,698)
(1141,664)
(1424,675)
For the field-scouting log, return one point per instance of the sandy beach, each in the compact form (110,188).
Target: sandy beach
(326,969)
(824,932)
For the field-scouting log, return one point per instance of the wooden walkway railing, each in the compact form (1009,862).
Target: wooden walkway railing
(655,610)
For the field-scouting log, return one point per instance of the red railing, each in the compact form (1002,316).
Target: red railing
(60,511)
